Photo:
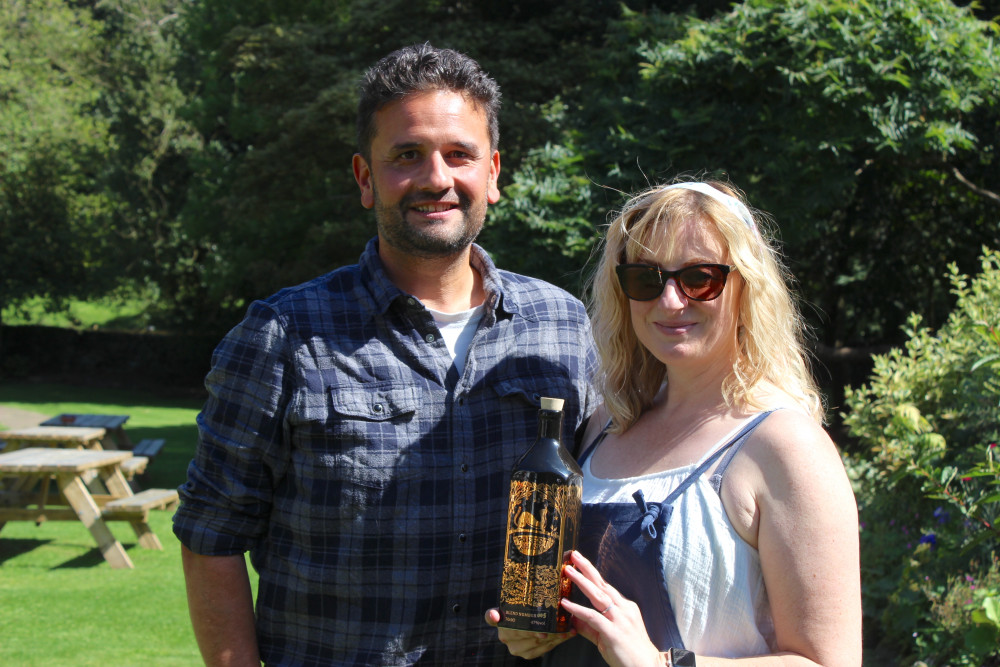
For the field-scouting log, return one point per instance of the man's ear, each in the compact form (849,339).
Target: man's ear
(492,190)
(363,175)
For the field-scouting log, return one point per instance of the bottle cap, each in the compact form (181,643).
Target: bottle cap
(554,404)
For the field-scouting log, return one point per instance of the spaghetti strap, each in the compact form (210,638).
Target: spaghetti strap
(733,448)
(655,515)
(589,449)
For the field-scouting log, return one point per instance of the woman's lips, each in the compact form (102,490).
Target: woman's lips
(674,328)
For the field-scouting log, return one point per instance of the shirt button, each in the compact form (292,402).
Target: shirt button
(461,537)
(457,608)
(429,338)
(465,467)
(377,408)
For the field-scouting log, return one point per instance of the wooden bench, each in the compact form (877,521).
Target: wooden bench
(142,455)
(135,509)
(139,505)
(134,466)
(149,447)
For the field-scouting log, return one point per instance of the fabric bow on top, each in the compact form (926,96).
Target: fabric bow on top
(654,515)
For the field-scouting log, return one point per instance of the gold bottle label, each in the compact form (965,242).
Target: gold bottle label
(541,525)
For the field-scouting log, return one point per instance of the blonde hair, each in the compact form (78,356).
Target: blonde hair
(771,356)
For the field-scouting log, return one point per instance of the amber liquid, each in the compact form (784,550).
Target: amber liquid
(543,518)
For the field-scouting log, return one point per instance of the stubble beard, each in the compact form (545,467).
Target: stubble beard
(421,240)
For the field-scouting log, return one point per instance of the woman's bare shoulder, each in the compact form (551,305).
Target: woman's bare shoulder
(789,444)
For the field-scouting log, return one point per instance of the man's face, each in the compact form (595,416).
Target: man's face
(431,174)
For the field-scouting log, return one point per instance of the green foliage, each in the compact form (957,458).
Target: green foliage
(201,151)
(551,207)
(51,149)
(868,130)
(147,174)
(273,90)
(928,485)
(92,148)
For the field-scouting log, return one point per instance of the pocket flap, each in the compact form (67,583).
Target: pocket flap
(532,389)
(376,402)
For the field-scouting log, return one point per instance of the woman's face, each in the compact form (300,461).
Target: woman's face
(677,330)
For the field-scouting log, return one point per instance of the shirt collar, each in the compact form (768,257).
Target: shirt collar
(384,292)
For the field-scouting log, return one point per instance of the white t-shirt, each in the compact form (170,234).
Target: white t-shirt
(457,329)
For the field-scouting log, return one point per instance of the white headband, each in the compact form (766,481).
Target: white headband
(730,202)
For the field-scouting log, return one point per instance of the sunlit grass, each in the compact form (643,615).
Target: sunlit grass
(60,601)
(112,313)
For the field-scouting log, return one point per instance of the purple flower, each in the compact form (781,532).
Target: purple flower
(942,515)
(929,538)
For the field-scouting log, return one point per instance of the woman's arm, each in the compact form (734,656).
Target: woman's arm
(807,537)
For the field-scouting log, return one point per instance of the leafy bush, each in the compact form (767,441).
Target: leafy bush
(927,490)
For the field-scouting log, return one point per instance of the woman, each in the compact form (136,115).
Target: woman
(719,522)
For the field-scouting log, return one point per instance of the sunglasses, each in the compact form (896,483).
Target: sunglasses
(700,282)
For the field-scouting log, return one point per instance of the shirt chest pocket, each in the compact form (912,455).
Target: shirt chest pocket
(358,458)
(366,415)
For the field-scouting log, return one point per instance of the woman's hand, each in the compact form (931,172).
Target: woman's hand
(615,624)
(524,644)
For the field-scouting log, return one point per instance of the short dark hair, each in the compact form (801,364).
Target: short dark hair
(422,67)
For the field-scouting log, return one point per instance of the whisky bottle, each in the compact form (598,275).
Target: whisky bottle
(543,517)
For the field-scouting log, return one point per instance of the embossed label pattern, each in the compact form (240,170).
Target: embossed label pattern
(540,519)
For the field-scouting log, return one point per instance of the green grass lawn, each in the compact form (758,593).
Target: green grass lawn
(124,314)
(60,601)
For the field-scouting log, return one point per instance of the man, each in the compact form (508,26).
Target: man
(361,427)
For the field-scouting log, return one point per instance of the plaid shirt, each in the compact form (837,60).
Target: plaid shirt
(367,479)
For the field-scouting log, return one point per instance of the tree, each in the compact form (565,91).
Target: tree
(273,90)
(52,146)
(868,130)
(147,175)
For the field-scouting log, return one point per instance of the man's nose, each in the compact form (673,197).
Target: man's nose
(437,173)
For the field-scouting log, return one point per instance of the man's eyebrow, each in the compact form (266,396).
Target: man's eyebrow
(465,146)
(405,146)
(472,149)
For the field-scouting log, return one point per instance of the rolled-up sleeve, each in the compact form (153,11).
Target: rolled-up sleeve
(227,498)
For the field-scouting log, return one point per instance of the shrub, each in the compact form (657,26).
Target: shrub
(927,484)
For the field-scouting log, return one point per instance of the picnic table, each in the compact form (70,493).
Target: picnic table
(145,450)
(26,494)
(113,424)
(75,437)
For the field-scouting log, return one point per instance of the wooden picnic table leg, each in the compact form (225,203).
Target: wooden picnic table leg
(119,486)
(121,437)
(12,490)
(83,504)
(147,538)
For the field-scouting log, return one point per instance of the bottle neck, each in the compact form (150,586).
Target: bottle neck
(550,424)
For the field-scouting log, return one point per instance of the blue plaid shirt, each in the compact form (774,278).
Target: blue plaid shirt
(367,479)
